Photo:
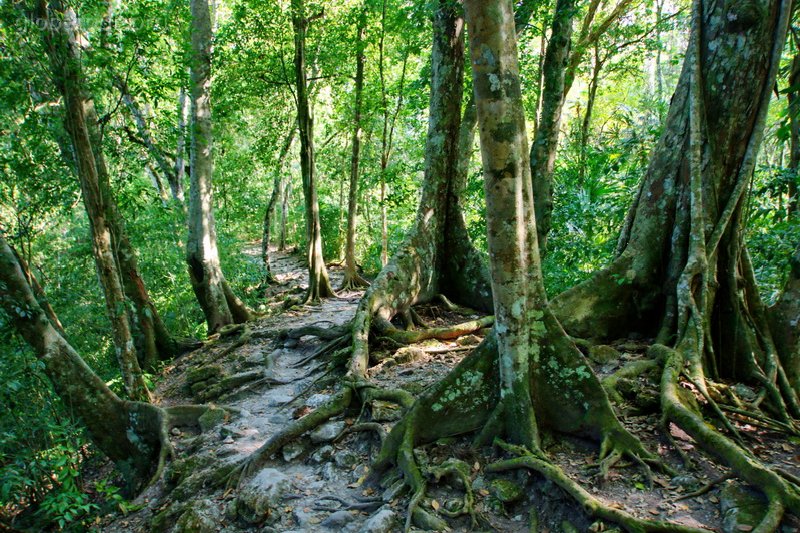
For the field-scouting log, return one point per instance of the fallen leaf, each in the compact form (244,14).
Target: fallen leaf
(435,505)
(745,527)
(654,511)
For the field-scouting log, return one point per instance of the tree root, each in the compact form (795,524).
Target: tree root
(781,494)
(592,505)
(353,282)
(442,334)
(706,488)
(630,370)
(367,505)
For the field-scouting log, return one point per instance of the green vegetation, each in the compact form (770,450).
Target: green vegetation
(613,116)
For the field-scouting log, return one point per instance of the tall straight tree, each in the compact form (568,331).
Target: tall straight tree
(352,279)
(220,305)
(278,183)
(80,122)
(562,58)
(319,285)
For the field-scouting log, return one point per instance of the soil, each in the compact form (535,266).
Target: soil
(325,477)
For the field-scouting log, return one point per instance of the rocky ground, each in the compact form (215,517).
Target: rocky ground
(260,382)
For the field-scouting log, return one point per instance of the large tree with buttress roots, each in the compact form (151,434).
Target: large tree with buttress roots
(682,276)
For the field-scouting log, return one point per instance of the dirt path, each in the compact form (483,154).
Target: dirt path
(309,483)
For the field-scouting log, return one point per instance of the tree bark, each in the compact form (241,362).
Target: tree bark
(352,279)
(180,150)
(319,285)
(130,433)
(517,288)
(793,97)
(220,305)
(545,141)
(103,219)
(285,193)
(277,193)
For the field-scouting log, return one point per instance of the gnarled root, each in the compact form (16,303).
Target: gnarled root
(592,505)
(782,494)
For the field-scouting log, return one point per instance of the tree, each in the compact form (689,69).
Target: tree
(278,184)
(132,434)
(352,279)
(104,222)
(559,67)
(220,305)
(684,230)
(319,285)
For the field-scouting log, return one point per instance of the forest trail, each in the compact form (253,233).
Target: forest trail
(317,483)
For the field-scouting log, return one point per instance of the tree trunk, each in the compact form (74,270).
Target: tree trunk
(559,69)
(277,193)
(103,219)
(143,129)
(785,323)
(352,279)
(594,82)
(285,193)
(319,285)
(793,97)
(180,151)
(132,434)
(220,306)
(545,141)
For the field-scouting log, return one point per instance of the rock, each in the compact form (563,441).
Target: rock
(345,459)
(280,399)
(327,432)
(323,454)
(255,360)
(602,353)
(337,520)
(687,481)
(227,440)
(237,380)
(427,521)
(231,431)
(301,517)
(198,518)
(742,508)
(211,418)
(385,411)
(316,400)
(506,491)
(292,451)
(468,340)
(408,354)
(329,472)
(203,373)
(261,495)
(381,522)
(175,432)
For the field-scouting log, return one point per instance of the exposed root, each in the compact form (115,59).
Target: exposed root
(706,488)
(367,505)
(781,494)
(630,370)
(455,308)
(592,505)
(353,282)
(335,406)
(442,334)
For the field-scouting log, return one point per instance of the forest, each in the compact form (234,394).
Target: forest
(400,265)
